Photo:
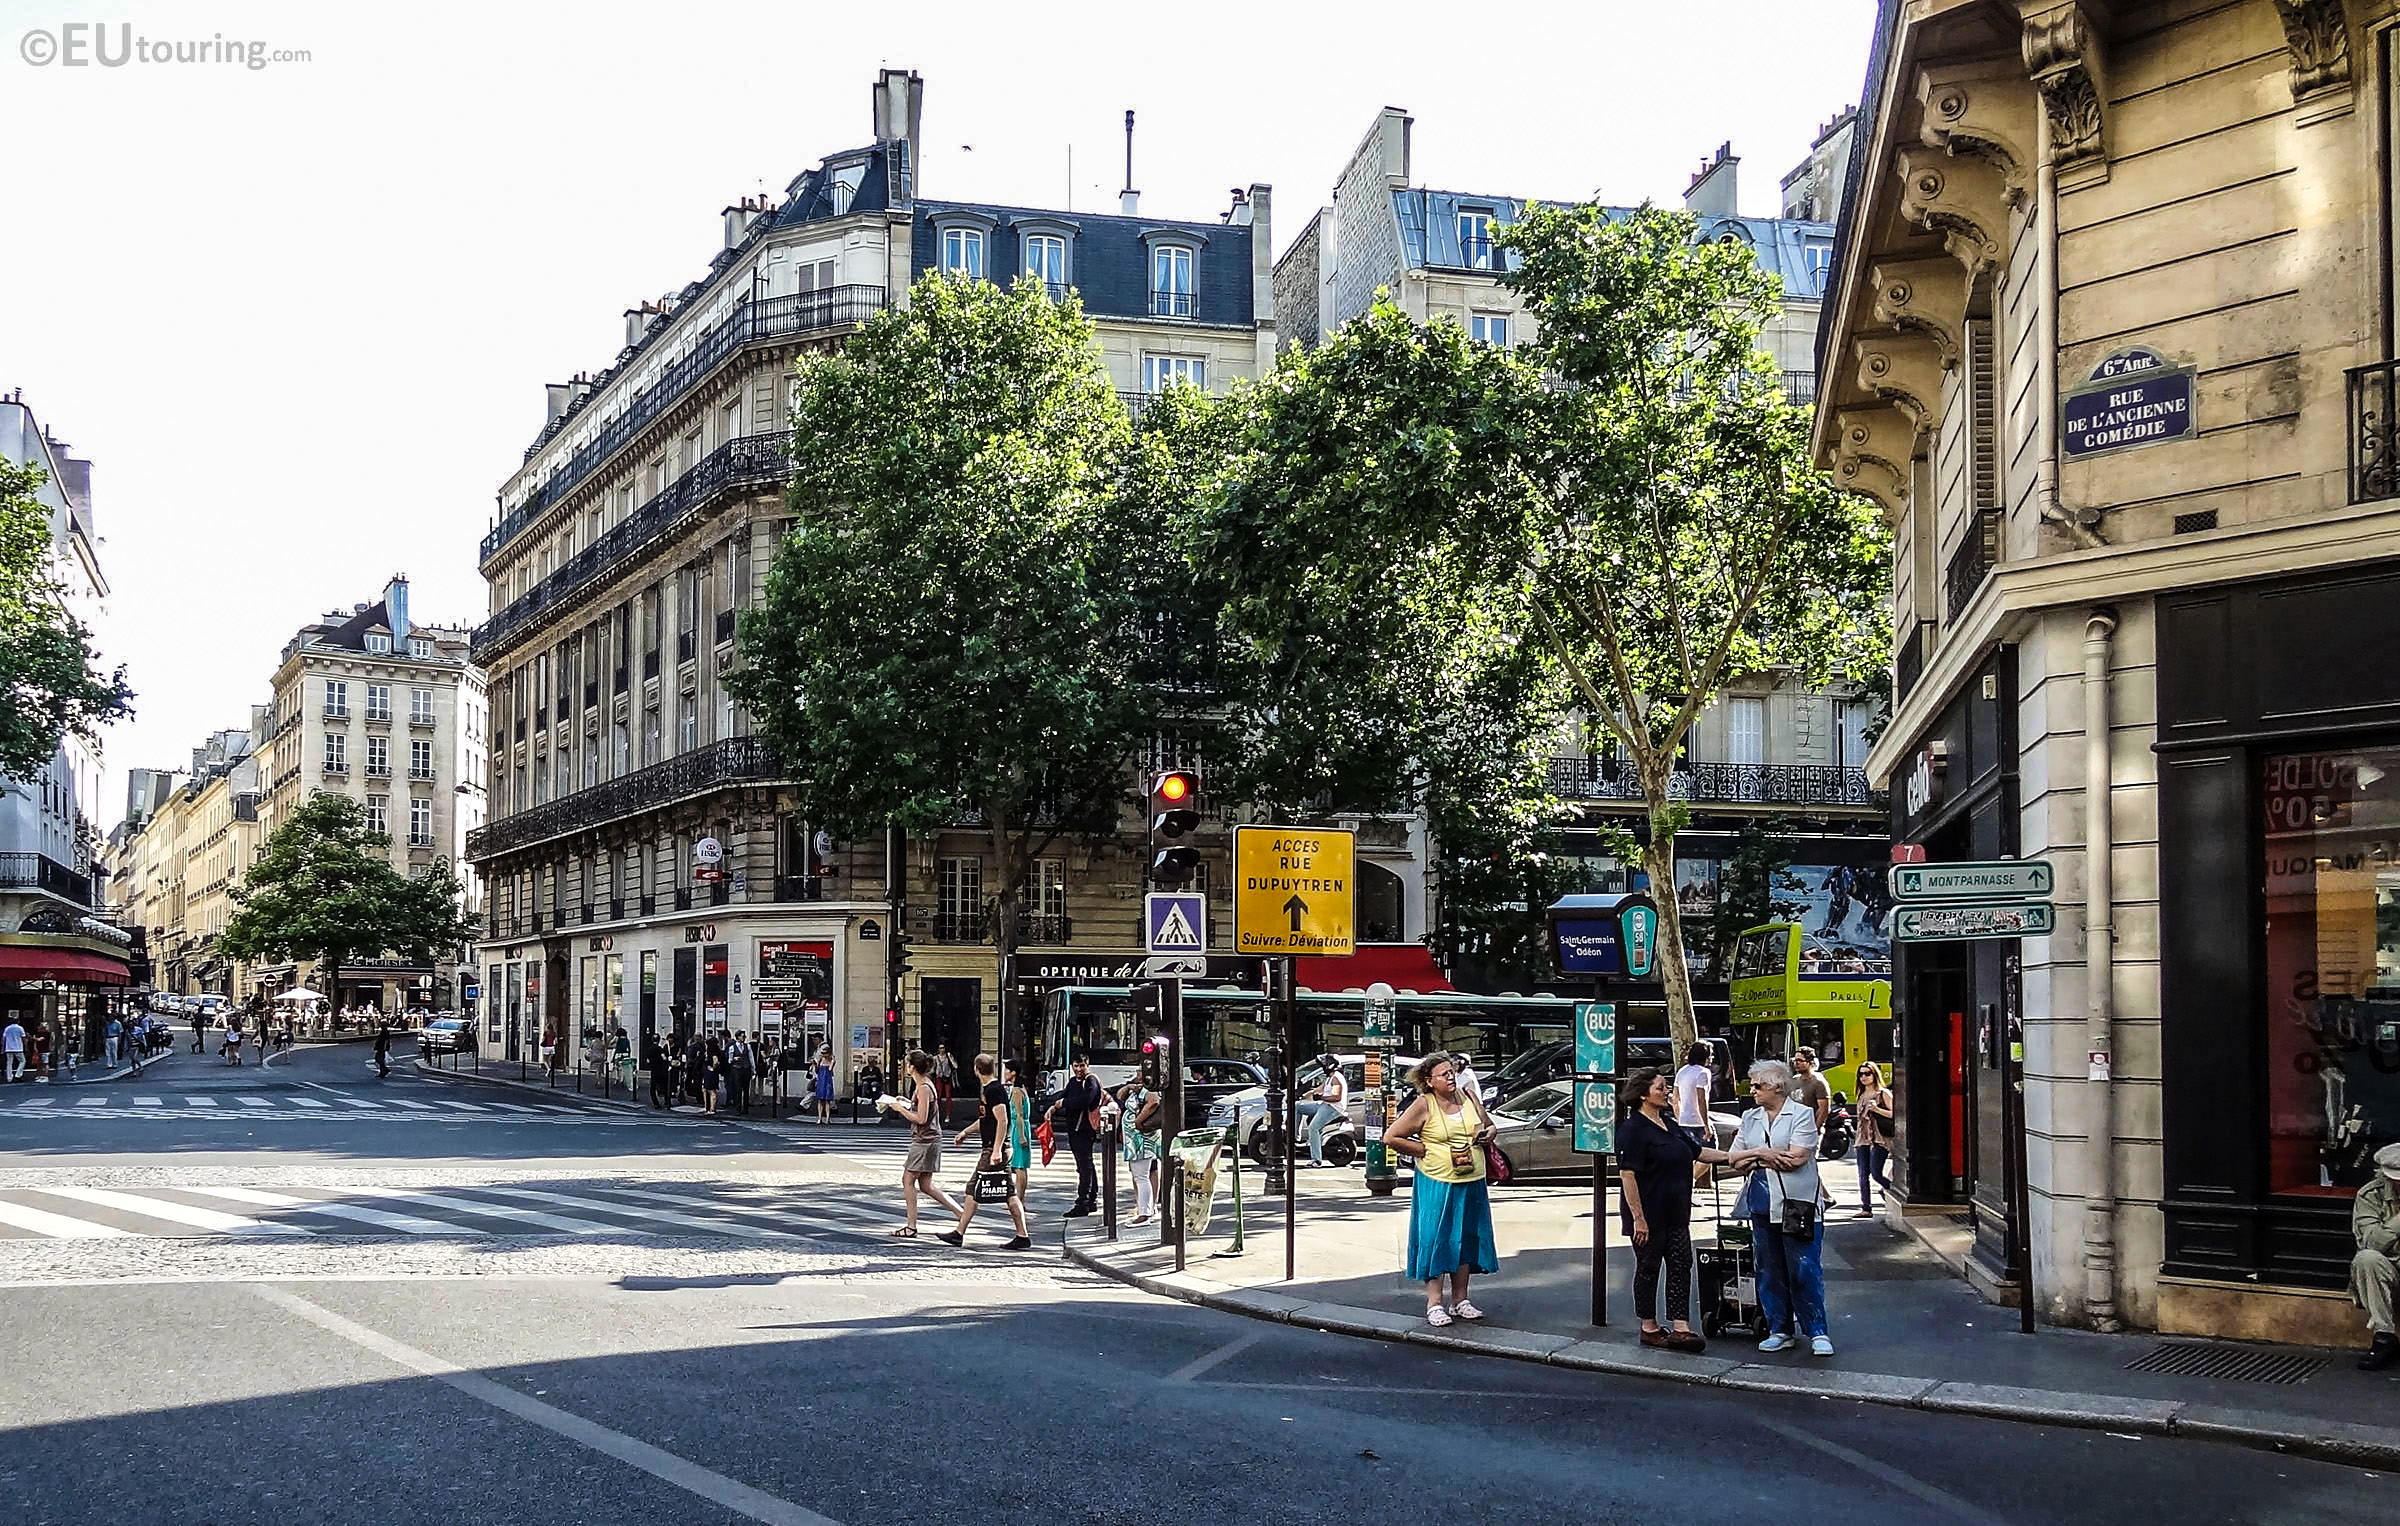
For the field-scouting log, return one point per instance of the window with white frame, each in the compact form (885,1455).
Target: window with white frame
(377,641)
(420,760)
(1160,370)
(420,707)
(420,823)
(962,253)
(1746,730)
(337,699)
(379,702)
(958,896)
(1046,259)
(1475,239)
(379,756)
(1048,888)
(337,752)
(1170,750)
(1850,732)
(1488,328)
(378,807)
(1171,281)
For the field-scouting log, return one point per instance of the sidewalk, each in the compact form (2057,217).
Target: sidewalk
(1905,1328)
(97,1071)
(797,1121)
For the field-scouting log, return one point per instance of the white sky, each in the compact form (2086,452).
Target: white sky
(299,318)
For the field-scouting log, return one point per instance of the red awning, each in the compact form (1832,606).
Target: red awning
(1403,966)
(31,961)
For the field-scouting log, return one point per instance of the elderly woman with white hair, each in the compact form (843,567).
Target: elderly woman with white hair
(1777,1145)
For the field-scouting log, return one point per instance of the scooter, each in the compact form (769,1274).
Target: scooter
(1341,1144)
(1841,1129)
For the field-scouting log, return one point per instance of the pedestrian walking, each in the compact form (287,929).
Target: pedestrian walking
(2375,1270)
(992,1174)
(261,1041)
(12,1044)
(922,1111)
(1142,1103)
(945,1075)
(1876,1122)
(116,1042)
(1777,1145)
(1692,1086)
(1450,1203)
(199,1032)
(383,1051)
(1329,1106)
(1020,1128)
(823,1085)
(1809,1088)
(233,1041)
(1077,1113)
(1656,1158)
(738,1072)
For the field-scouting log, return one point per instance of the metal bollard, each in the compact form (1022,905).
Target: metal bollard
(1174,1187)
(1108,1183)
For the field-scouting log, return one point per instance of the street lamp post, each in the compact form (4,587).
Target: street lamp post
(1377,1036)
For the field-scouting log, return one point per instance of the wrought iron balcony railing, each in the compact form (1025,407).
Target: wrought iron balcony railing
(737,466)
(1040,927)
(1793,784)
(750,323)
(736,760)
(2373,391)
(1909,664)
(962,926)
(1969,565)
(1172,304)
(39,871)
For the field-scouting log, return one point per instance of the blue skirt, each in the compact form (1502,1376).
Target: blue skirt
(824,1086)
(1449,1228)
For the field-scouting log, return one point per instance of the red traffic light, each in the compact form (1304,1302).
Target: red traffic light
(1174,787)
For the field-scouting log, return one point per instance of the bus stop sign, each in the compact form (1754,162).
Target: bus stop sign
(1596,1038)
(1595,1118)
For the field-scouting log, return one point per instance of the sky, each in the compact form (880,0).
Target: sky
(299,316)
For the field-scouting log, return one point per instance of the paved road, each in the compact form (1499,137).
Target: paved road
(274,1313)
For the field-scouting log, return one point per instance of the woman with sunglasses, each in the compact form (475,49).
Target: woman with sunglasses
(1450,1204)
(1875,1125)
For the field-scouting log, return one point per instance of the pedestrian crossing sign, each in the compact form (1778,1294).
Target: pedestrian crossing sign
(1175,922)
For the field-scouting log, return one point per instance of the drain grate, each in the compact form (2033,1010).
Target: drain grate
(2230,1364)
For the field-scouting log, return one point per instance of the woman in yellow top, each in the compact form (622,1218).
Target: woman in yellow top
(1450,1205)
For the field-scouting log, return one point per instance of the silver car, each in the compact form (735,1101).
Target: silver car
(1537,1129)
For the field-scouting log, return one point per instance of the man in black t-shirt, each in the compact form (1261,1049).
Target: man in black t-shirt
(991,1162)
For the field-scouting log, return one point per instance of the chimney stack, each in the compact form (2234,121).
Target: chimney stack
(1239,213)
(1129,200)
(1712,191)
(556,395)
(395,610)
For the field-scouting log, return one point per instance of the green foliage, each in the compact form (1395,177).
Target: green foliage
(49,687)
(953,624)
(323,889)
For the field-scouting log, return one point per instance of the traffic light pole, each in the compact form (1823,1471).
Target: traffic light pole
(1170,1123)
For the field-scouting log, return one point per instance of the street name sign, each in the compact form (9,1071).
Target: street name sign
(1945,924)
(1175,922)
(1596,1038)
(1596,1117)
(1294,890)
(2000,879)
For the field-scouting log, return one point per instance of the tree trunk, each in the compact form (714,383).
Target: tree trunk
(1005,929)
(1658,860)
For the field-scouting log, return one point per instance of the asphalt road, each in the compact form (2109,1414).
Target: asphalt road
(728,1334)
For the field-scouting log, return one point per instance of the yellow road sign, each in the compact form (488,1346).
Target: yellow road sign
(1294,890)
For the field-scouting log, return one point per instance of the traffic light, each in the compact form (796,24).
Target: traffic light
(1173,814)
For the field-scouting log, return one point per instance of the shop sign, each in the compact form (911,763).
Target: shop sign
(1923,785)
(2133,398)
(1116,967)
(707,855)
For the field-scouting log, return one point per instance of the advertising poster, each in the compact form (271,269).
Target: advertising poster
(1840,909)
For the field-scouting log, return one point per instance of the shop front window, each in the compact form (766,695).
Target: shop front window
(2332,823)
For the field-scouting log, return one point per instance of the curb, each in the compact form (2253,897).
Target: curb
(766,1127)
(2343,1443)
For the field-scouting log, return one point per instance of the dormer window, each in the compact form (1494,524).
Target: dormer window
(962,253)
(419,646)
(1046,260)
(1171,281)
(1475,239)
(377,641)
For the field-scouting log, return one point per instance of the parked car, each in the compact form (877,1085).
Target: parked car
(1537,1129)
(446,1035)
(1246,1110)
(1206,1082)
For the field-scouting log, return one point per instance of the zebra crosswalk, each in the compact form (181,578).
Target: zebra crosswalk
(252,1107)
(577,1210)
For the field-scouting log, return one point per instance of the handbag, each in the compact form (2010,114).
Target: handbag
(1497,1166)
(1799,1220)
(992,1184)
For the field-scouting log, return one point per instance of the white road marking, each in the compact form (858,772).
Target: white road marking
(406,1223)
(1950,1504)
(1224,1353)
(91,1102)
(471,1107)
(149,1102)
(420,1107)
(199,1102)
(555,1221)
(56,1225)
(665,1216)
(682,1472)
(173,1213)
(254,1102)
(310,1102)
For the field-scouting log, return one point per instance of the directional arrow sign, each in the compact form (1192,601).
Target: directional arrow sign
(2000,879)
(1943,924)
(1294,890)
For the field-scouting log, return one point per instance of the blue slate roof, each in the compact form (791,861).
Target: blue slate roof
(1108,261)
(1429,236)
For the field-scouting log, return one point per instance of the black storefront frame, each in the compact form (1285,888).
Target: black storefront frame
(1981,809)
(2245,670)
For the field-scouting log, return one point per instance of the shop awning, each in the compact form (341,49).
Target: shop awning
(1403,966)
(23,961)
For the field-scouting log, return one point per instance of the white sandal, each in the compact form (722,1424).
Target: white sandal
(1466,1311)
(1437,1316)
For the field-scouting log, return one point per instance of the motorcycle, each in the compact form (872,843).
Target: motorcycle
(1841,1129)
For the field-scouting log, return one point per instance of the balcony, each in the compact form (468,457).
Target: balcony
(1909,665)
(336,766)
(1172,304)
(39,871)
(752,322)
(1969,565)
(2373,390)
(1791,784)
(736,760)
(1044,927)
(1800,387)
(337,712)
(799,887)
(425,720)
(961,926)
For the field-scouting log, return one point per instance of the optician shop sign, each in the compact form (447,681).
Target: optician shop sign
(2134,397)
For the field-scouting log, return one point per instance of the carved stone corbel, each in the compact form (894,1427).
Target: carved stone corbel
(2064,55)
(1980,111)
(1927,296)
(1964,200)
(1874,450)
(1904,369)
(2317,35)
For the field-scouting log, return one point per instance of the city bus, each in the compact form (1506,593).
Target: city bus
(1792,988)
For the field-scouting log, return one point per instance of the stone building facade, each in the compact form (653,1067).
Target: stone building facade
(650,867)
(2109,339)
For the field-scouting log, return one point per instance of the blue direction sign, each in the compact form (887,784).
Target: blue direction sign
(1596,1117)
(1596,1038)
(1175,922)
